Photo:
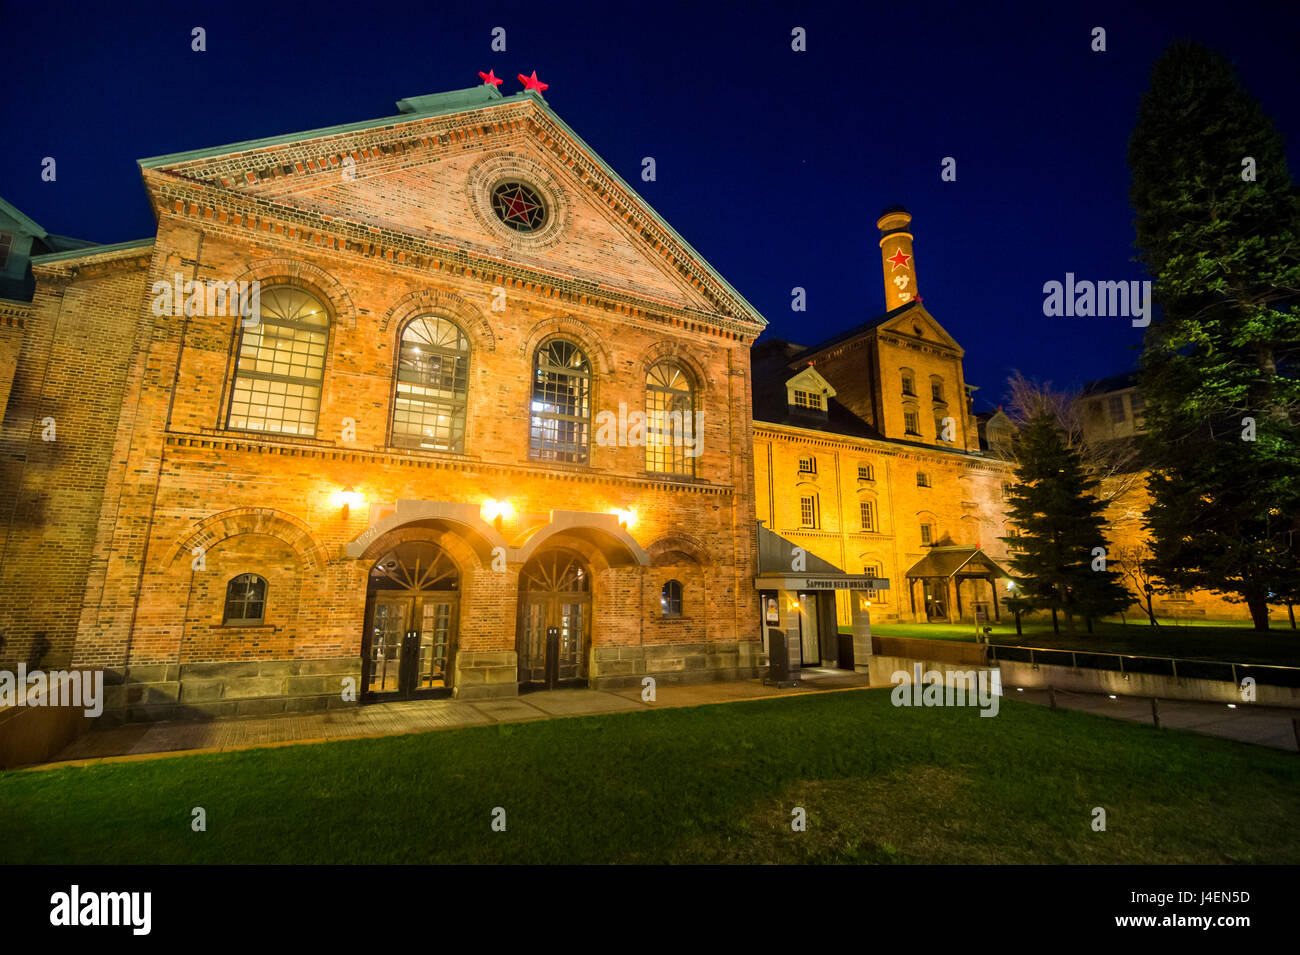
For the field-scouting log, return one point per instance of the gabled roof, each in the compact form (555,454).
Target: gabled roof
(418,110)
(947,561)
(1100,386)
(810,380)
(30,226)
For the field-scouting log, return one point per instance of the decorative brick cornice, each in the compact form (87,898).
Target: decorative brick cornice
(878,447)
(14,314)
(413,459)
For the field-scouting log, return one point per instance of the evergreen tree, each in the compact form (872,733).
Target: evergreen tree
(1218,228)
(1059,549)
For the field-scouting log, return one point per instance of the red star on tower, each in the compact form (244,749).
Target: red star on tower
(898,259)
(532,82)
(489,78)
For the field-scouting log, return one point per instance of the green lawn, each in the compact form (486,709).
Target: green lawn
(708,784)
(1226,641)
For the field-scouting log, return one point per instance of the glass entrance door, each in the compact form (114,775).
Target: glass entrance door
(809,635)
(409,644)
(554,621)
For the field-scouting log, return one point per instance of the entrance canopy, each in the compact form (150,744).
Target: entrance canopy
(946,562)
(783,565)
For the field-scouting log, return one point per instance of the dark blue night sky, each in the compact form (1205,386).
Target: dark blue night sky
(773,164)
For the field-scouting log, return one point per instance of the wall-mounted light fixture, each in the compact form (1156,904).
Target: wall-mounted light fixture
(349,498)
(626,518)
(497,511)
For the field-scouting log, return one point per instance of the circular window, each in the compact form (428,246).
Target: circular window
(518,206)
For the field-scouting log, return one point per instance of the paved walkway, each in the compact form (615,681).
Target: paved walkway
(151,740)
(1247,723)
(1264,726)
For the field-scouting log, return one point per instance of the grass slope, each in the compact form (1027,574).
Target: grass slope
(705,784)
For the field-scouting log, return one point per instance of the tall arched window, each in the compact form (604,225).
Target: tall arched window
(561,404)
(432,385)
(672,443)
(245,600)
(281,364)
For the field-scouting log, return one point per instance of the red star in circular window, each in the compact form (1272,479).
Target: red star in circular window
(518,206)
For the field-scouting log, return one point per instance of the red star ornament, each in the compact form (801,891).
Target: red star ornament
(532,82)
(489,78)
(898,259)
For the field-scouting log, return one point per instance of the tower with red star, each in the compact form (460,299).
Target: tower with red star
(896,257)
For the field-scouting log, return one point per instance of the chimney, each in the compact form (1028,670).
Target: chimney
(896,256)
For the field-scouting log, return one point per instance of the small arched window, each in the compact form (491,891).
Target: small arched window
(245,600)
(670,599)
(432,386)
(672,444)
(281,363)
(561,404)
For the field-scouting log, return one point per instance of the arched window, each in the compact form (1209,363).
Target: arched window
(670,599)
(909,381)
(561,404)
(671,441)
(245,600)
(432,385)
(281,364)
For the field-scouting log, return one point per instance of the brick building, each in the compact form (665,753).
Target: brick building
(867,454)
(372,408)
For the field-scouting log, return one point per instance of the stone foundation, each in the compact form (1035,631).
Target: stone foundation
(616,667)
(204,691)
(485,674)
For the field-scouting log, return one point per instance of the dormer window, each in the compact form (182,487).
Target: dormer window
(807,399)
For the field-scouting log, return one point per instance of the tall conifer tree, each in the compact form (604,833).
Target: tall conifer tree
(1059,549)
(1218,228)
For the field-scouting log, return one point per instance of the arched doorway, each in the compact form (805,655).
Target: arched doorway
(412,604)
(554,632)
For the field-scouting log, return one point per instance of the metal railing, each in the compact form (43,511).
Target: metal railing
(1127,663)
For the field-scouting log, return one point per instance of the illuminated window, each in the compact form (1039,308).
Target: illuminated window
(670,599)
(922,479)
(281,363)
(432,386)
(808,511)
(670,421)
(519,206)
(867,512)
(561,404)
(866,472)
(245,600)
(807,399)
(807,464)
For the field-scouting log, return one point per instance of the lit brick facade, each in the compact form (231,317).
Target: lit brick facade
(125,531)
